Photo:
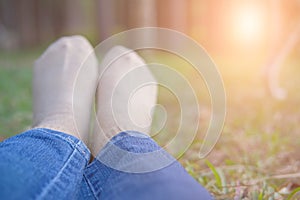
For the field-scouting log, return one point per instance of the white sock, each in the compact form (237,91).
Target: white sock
(119,106)
(64,84)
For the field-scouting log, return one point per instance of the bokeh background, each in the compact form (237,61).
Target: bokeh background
(257,156)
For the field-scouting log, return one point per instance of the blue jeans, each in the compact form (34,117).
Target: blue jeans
(46,164)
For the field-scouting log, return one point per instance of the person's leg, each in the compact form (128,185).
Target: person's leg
(132,165)
(42,164)
(125,170)
(47,162)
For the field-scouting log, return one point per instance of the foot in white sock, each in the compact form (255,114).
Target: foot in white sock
(64,84)
(126,93)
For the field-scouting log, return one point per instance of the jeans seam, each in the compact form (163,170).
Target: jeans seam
(52,181)
(76,145)
(90,186)
(69,141)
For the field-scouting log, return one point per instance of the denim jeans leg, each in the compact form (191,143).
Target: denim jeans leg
(42,164)
(136,178)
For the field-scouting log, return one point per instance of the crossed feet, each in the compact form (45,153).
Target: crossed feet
(67,80)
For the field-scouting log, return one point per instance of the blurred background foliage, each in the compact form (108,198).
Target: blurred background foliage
(243,35)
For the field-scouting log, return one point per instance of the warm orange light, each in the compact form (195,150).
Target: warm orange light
(248,23)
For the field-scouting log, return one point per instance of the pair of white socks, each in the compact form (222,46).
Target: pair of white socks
(67,79)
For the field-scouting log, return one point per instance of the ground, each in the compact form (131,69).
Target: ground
(255,158)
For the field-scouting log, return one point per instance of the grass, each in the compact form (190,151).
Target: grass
(256,157)
(15,92)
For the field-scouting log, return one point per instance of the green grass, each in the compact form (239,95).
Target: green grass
(15,92)
(255,158)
